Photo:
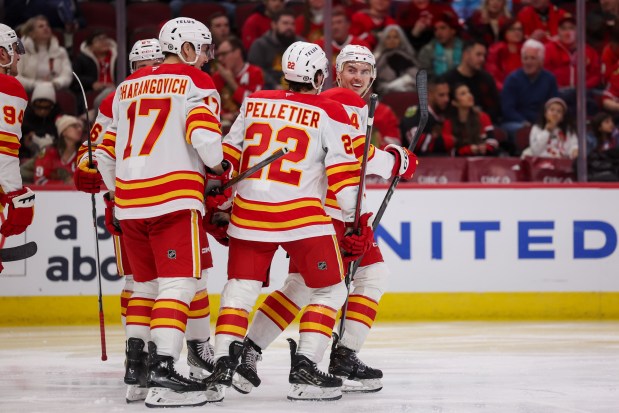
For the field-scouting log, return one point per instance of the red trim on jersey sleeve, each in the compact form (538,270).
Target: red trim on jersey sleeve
(344,96)
(12,87)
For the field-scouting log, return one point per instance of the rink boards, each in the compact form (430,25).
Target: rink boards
(455,252)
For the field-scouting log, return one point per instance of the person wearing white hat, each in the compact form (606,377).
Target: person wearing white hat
(56,163)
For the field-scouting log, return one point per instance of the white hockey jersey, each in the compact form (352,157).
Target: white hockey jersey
(379,162)
(162,134)
(13,101)
(284,201)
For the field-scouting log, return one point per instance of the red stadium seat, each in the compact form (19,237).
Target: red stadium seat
(98,13)
(147,14)
(499,134)
(522,138)
(66,100)
(201,11)
(146,32)
(400,101)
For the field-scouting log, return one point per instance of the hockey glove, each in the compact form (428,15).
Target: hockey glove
(87,179)
(111,223)
(216,224)
(21,211)
(355,244)
(405,161)
(215,197)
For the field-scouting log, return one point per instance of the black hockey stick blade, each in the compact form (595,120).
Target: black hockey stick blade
(18,253)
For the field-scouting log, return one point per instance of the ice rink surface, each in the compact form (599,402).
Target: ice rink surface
(428,367)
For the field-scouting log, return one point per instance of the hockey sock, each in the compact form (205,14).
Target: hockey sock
(125,295)
(199,317)
(139,308)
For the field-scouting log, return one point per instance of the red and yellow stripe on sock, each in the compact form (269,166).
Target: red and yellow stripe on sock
(232,321)
(169,313)
(125,295)
(279,309)
(318,319)
(199,306)
(362,310)
(139,311)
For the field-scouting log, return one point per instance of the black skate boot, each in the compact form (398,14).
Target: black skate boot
(308,382)
(357,376)
(167,388)
(225,367)
(200,358)
(246,376)
(135,370)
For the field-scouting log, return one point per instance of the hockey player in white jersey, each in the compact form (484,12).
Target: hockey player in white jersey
(283,206)
(356,70)
(152,158)
(13,100)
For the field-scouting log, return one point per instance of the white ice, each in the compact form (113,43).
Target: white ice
(428,367)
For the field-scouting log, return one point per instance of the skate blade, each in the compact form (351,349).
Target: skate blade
(361,386)
(135,393)
(306,392)
(164,397)
(215,393)
(197,373)
(241,384)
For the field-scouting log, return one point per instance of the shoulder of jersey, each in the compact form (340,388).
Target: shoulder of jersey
(200,79)
(9,85)
(333,109)
(106,105)
(344,96)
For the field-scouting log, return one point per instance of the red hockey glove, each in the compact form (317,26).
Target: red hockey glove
(405,161)
(111,223)
(215,197)
(21,211)
(357,244)
(216,224)
(87,179)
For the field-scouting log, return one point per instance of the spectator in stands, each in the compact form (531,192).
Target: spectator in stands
(385,131)
(432,142)
(57,163)
(553,136)
(470,129)
(444,52)
(467,8)
(45,60)
(602,21)
(234,78)
(95,65)
(267,51)
(396,63)
(260,22)
(604,134)
(418,21)
(540,20)
(340,33)
(309,24)
(38,127)
(561,61)
(610,97)
(610,55)
(504,55)
(526,90)
(367,23)
(480,83)
(61,14)
(486,22)
(219,25)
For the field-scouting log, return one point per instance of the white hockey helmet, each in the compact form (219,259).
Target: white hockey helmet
(8,38)
(353,53)
(177,31)
(148,49)
(302,60)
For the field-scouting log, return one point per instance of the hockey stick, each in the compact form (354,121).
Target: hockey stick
(422,93)
(94,223)
(18,253)
(364,164)
(250,171)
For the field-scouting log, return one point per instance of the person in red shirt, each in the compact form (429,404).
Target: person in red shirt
(469,128)
(486,22)
(234,78)
(340,34)
(610,56)
(541,20)
(259,22)
(386,127)
(309,24)
(418,21)
(369,22)
(504,56)
(56,164)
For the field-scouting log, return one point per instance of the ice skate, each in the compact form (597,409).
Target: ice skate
(135,370)
(356,375)
(246,375)
(200,359)
(225,366)
(308,382)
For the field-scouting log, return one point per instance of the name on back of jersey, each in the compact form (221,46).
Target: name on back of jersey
(277,110)
(157,85)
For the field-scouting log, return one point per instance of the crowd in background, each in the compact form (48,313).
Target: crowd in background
(502,73)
